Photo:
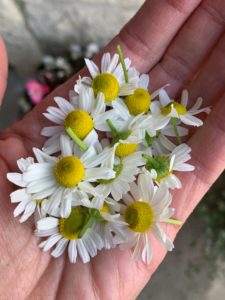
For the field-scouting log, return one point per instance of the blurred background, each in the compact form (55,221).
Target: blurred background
(46,41)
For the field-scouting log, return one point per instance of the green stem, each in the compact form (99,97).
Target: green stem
(173,221)
(76,139)
(174,123)
(151,160)
(87,225)
(123,63)
(148,139)
(112,127)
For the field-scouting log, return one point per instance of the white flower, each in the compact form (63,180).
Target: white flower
(162,167)
(145,209)
(83,115)
(126,169)
(27,206)
(128,131)
(65,232)
(157,142)
(165,109)
(110,225)
(109,79)
(58,178)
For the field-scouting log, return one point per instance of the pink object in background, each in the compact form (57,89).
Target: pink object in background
(36,91)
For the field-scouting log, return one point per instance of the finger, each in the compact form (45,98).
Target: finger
(210,81)
(191,47)
(3,69)
(208,148)
(146,37)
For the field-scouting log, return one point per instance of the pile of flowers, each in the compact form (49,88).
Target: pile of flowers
(104,174)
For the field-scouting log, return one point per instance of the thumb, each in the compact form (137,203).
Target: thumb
(3,69)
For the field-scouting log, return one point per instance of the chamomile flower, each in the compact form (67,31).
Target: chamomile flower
(130,132)
(162,167)
(109,79)
(82,115)
(109,224)
(145,208)
(166,109)
(126,169)
(157,141)
(59,177)
(27,206)
(70,232)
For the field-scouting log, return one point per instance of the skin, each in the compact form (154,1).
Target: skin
(178,42)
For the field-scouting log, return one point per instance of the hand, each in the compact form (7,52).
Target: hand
(178,42)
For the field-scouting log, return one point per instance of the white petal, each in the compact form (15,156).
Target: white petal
(144,81)
(47,223)
(113,63)
(164,98)
(60,248)
(66,145)
(52,241)
(72,251)
(66,206)
(38,171)
(121,109)
(147,250)
(105,62)
(100,105)
(20,207)
(134,190)
(184,98)
(64,105)
(82,251)
(19,195)
(43,157)
(162,237)
(191,120)
(92,67)
(184,167)
(29,210)
(137,247)
(94,174)
(16,178)
(88,154)
(145,186)
(52,130)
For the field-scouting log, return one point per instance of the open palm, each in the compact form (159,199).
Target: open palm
(178,42)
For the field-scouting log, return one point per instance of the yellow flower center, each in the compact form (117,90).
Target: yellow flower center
(38,201)
(80,122)
(140,216)
(107,84)
(70,227)
(181,109)
(123,150)
(69,171)
(105,208)
(139,102)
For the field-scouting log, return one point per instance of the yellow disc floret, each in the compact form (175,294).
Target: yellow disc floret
(105,208)
(139,102)
(107,84)
(140,216)
(70,227)
(180,109)
(123,150)
(69,171)
(80,122)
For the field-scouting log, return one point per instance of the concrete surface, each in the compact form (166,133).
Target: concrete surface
(33,27)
